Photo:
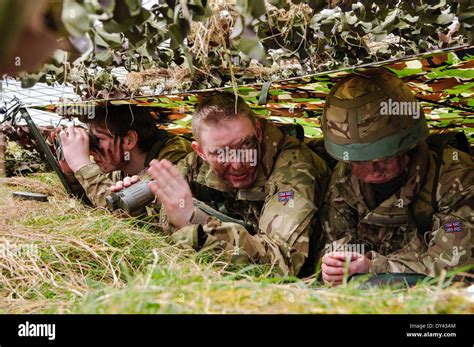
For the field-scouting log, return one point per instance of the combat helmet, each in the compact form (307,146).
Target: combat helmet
(370,115)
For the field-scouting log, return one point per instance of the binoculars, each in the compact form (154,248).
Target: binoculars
(131,199)
(58,145)
(137,196)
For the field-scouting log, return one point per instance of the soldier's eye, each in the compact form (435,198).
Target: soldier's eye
(250,143)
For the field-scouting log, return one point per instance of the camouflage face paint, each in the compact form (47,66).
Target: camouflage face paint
(380,171)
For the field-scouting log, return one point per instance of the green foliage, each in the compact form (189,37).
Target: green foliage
(20,161)
(215,40)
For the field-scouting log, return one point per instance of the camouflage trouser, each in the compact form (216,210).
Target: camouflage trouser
(241,247)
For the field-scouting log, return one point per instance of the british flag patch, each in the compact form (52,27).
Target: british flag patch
(285,196)
(453,227)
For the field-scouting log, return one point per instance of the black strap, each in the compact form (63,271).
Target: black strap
(222,217)
(292,129)
(437,143)
(206,194)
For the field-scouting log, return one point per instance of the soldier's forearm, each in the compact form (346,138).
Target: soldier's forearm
(95,184)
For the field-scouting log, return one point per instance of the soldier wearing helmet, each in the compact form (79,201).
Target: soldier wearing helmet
(396,205)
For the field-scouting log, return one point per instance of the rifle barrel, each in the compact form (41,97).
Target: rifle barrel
(47,152)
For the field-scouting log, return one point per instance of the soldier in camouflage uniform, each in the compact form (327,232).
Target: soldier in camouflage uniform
(390,195)
(128,139)
(273,190)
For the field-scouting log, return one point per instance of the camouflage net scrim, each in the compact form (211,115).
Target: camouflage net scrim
(442,82)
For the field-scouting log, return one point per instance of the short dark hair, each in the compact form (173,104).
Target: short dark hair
(119,119)
(220,107)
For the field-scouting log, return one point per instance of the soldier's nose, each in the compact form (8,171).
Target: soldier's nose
(377,166)
(376,173)
(236,165)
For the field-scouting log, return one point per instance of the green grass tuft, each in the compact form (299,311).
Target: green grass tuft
(90,261)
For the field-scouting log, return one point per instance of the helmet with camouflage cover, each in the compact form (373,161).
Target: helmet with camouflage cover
(371,114)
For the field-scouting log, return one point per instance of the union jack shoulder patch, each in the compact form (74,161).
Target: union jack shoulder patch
(453,226)
(285,196)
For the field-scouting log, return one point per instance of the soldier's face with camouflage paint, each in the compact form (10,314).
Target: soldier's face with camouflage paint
(239,137)
(380,171)
(108,153)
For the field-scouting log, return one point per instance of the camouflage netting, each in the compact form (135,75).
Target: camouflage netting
(442,81)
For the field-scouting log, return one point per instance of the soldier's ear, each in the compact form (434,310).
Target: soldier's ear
(130,140)
(198,149)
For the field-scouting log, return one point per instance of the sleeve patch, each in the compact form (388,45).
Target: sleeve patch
(453,226)
(285,196)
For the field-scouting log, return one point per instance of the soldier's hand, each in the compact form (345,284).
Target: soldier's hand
(361,265)
(333,265)
(127,182)
(333,268)
(172,190)
(62,163)
(75,143)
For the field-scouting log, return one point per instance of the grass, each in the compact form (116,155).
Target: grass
(73,259)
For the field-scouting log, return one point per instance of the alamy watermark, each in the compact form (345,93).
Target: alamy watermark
(75,110)
(242,155)
(345,249)
(28,329)
(18,250)
(400,108)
